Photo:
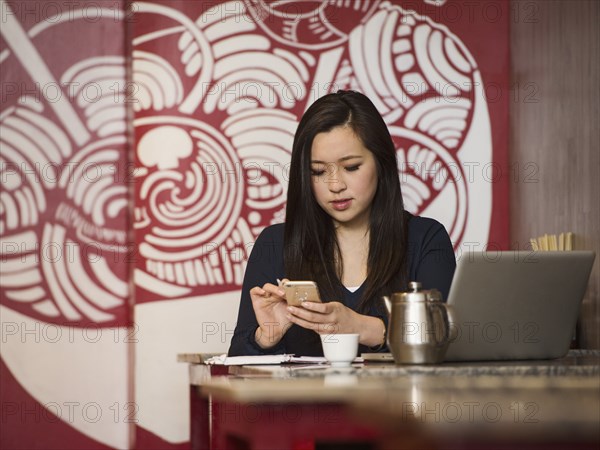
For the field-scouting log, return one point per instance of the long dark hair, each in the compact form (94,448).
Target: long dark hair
(311,247)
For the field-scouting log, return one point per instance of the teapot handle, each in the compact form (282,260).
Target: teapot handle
(444,313)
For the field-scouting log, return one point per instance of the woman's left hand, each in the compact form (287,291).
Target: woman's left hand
(335,318)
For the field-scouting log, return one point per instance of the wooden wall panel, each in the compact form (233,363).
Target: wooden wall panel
(554,141)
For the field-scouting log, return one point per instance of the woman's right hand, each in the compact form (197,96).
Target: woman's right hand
(270,308)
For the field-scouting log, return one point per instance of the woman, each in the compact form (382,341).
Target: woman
(346,229)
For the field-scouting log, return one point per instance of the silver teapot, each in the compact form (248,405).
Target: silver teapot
(418,327)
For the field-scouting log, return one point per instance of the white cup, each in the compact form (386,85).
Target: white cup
(340,349)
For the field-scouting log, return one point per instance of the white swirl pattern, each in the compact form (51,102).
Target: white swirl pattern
(421,79)
(63,208)
(255,68)
(158,84)
(45,270)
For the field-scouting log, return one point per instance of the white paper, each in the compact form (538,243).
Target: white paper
(247,360)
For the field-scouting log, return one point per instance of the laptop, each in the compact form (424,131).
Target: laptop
(516,305)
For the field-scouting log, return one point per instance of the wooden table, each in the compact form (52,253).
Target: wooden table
(527,404)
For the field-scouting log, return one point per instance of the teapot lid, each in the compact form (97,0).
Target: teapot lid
(415,286)
(416,293)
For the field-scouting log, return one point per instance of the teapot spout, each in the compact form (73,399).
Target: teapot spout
(388,304)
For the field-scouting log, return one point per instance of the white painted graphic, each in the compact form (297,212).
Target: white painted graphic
(63,240)
(213,164)
(211,181)
(215,99)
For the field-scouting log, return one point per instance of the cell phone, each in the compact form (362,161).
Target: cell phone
(297,292)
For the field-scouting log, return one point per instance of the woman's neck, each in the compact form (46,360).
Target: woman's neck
(355,234)
(354,251)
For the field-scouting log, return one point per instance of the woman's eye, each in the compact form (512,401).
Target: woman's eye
(352,168)
(317,173)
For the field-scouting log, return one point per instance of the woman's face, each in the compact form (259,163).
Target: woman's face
(344,176)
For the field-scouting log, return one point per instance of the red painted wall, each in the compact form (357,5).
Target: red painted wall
(144,147)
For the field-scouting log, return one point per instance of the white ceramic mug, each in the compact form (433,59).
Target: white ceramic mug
(340,349)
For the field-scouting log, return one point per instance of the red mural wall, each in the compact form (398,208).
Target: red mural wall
(143,147)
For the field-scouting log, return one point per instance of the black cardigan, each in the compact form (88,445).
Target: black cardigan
(430,261)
